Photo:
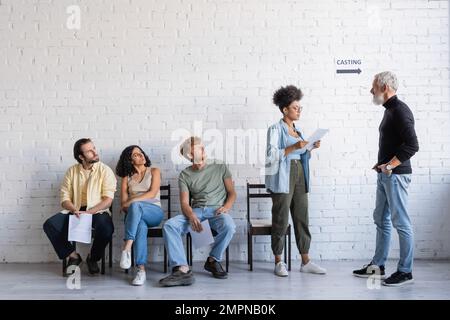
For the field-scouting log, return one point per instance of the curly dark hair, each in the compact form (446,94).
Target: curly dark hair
(284,96)
(125,166)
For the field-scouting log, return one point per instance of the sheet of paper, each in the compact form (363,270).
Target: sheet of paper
(316,136)
(80,229)
(204,238)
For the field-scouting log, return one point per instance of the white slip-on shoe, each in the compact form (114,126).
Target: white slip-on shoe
(140,278)
(281,270)
(311,267)
(125,259)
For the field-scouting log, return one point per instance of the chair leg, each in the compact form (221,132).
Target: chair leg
(227,257)
(248,248)
(190,251)
(64,265)
(187,249)
(165,260)
(289,249)
(251,252)
(110,254)
(285,248)
(103,263)
(132,258)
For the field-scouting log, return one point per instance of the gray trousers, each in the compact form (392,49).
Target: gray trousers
(297,202)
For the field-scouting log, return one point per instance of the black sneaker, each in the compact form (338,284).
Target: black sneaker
(369,270)
(72,262)
(92,265)
(216,268)
(398,279)
(178,278)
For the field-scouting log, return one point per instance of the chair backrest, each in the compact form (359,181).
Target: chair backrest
(256,194)
(166,196)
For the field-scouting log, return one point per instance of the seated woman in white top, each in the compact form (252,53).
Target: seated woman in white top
(140,200)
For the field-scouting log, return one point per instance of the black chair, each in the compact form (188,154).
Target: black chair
(262,227)
(157,232)
(110,248)
(189,247)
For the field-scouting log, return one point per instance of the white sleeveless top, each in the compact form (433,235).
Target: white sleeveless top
(137,188)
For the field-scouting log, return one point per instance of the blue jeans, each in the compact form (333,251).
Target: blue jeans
(391,205)
(141,216)
(176,227)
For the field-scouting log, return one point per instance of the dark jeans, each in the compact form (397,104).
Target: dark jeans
(57,229)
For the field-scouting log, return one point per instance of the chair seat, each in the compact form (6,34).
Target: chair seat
(155,232)
(261,222)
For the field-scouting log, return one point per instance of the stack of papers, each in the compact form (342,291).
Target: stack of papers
(204,238)
(80,229)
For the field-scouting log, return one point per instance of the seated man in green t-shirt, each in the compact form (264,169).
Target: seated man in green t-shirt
(211,189)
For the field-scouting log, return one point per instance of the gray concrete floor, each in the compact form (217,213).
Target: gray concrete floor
(44,281)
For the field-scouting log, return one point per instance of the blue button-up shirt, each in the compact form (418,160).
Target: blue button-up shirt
(277,164)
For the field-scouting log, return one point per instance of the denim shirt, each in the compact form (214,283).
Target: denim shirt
(277,164)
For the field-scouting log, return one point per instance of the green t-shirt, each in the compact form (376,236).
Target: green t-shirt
(205,186)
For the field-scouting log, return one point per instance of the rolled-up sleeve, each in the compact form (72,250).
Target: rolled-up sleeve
(109,184)
(66,190)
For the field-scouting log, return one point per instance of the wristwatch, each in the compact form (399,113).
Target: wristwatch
(389,167)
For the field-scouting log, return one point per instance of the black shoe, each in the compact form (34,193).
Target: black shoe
(177,278)
(72,262)
(92,265)
(216,268)
(369,270)
(398,279)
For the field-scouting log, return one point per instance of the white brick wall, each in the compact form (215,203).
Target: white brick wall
(138,70)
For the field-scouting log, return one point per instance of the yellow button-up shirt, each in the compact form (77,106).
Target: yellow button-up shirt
(102,183)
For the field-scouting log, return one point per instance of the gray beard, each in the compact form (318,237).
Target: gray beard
(376,101)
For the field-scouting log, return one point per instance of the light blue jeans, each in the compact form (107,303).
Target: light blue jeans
(391,206)
(141,216)
(175,228)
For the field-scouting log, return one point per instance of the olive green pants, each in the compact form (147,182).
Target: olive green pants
(297,202)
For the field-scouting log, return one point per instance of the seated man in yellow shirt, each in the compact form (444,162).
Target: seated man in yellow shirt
(88,187)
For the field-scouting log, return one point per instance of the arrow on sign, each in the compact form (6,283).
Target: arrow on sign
(358,71)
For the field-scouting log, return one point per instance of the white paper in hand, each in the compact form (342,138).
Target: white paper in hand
(316,136)
(80,229)
(204,238)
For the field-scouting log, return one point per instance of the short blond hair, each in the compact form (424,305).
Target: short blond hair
(188,144)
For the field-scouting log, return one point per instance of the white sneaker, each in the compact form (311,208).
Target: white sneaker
(311,267)
(281,270)
(140,278)
(125,259)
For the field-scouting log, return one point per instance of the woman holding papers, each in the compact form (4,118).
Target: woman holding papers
(140,199)
(287,179)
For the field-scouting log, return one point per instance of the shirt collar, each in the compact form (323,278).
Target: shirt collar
(286,128)
(94,167)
